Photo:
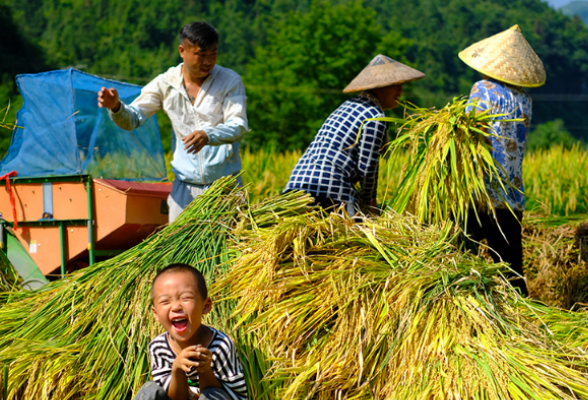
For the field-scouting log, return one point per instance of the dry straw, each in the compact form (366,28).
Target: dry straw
(555,271)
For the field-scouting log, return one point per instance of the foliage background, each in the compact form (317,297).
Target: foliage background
(295,56)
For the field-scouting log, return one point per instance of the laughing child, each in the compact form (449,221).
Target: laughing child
(190,360)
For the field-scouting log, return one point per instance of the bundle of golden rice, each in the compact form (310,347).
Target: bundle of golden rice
(387,309)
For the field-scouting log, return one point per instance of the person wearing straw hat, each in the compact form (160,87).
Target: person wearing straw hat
(508,64)
(334,163)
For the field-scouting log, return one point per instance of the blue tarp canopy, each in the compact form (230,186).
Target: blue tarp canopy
(61,131)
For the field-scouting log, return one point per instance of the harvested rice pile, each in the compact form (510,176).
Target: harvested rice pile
(556,272)
(387,309)
(86,336)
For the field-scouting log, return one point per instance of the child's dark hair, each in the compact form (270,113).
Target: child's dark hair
(201,33)
(179,267)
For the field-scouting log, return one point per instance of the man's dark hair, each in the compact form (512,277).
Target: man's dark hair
(179,267)
(201,33)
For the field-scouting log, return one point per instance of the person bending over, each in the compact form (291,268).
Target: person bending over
(334,163)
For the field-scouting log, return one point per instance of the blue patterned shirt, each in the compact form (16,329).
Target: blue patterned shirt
(509,147)
(332,165)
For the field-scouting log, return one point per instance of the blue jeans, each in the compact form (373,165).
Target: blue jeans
(152,391)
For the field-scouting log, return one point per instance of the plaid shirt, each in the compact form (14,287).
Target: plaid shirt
(330,168)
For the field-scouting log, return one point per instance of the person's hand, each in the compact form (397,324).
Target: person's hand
(204,357)
(187,359)
(108,98)
(195,141)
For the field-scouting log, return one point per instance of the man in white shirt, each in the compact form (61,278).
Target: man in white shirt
(206,104)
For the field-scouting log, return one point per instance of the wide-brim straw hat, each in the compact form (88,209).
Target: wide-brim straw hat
(507,57)
(383,71)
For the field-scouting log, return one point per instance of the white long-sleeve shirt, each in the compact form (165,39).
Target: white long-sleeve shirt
(219,110)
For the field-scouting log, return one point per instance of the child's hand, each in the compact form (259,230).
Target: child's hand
(204,357)
(186,360)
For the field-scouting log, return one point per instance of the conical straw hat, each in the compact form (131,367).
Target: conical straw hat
(507,57)
(383,71)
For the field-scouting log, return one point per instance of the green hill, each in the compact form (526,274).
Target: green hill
(296,55)
(579,8)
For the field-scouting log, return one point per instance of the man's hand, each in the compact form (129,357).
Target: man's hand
(108,98)
(195,141)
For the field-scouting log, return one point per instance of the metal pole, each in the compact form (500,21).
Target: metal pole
(62,234)
(3,240)
(90,221)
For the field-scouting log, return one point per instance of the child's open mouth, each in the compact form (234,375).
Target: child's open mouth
(180,324)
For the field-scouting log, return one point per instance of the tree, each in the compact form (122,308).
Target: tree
(19,56)
(295,81)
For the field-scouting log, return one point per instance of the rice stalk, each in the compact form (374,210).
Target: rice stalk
(449,162)
(9,279)
(86,336)
(555,271)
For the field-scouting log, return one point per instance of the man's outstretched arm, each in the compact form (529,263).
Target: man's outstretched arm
(129,117)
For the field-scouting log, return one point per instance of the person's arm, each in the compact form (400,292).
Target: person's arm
(234,127)
(129,117)
(370,145)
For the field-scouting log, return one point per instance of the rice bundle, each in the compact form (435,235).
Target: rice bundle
(449,162)
(388,309)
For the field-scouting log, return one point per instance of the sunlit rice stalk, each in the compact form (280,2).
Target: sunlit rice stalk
(556,181)
(86,336)
(9,279)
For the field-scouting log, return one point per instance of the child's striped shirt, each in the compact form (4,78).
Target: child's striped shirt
(225,364)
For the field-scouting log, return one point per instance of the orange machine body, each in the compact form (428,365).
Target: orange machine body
(124,214)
